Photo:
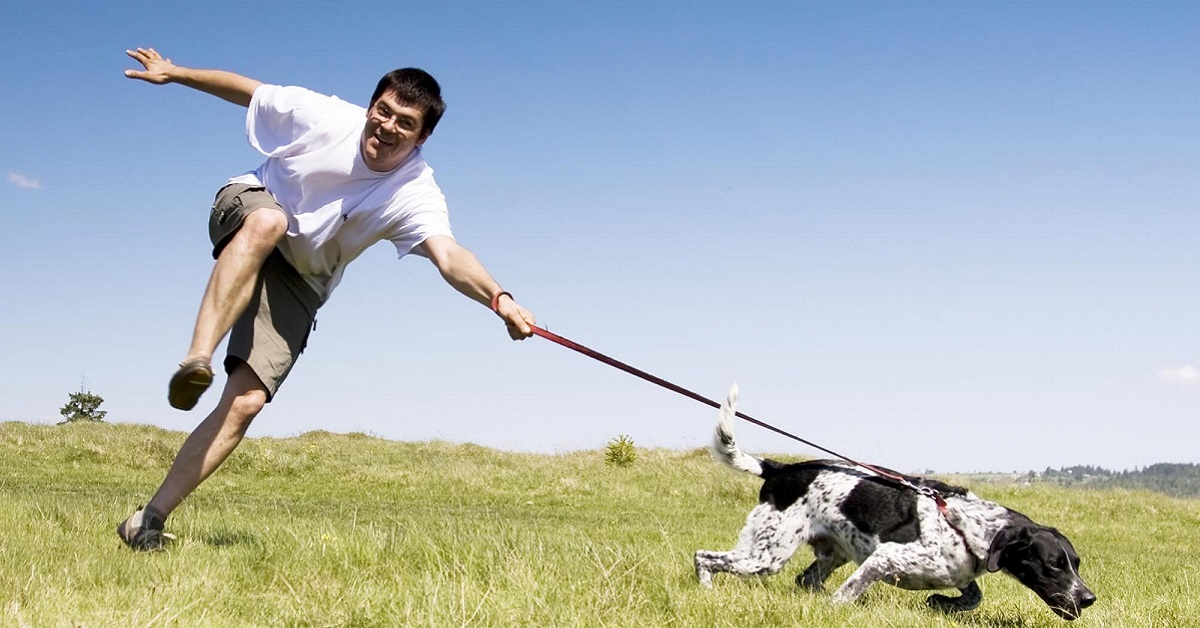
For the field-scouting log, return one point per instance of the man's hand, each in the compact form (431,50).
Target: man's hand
(158,69)
(516,318)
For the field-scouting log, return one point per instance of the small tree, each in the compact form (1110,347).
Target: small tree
(82,406)
(620,452)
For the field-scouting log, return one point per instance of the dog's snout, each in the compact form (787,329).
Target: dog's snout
(1087,600)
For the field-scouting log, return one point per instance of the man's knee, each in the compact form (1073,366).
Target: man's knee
(265,226)
(246,406)
(246,394)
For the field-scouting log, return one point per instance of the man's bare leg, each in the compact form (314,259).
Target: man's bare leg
(230,288)
(231,285)
(204,450)
(213,440)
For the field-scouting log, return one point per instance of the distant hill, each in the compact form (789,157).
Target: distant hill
(1180,480)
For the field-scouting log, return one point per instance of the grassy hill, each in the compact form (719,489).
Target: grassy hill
(350,530)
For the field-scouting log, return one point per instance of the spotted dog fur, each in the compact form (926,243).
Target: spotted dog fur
(893,534)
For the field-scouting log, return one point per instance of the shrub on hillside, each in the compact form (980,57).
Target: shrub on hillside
(620,452)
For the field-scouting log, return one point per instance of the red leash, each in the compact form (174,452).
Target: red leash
(570,344)
(895,477)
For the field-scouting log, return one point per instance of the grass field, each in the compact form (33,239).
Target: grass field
(350,530)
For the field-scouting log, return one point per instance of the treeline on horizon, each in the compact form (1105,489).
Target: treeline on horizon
(1177,479)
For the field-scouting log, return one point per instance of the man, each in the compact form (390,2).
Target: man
(337,179)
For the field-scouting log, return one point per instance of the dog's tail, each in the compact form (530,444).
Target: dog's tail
(724,448)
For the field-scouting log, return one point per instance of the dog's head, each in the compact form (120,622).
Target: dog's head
(1044,560)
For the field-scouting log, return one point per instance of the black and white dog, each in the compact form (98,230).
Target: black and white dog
(893,533)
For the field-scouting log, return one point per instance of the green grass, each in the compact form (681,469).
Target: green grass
(350,530)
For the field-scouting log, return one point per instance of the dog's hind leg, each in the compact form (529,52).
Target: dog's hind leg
(828,558)
(970,599)
(764,547)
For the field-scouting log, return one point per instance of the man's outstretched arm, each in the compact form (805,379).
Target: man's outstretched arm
(462,270)
(159,70)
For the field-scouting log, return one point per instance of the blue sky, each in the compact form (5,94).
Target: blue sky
(944,235)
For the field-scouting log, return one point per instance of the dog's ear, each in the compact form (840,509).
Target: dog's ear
(1008,538)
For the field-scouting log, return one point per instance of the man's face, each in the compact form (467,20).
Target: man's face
(392,132)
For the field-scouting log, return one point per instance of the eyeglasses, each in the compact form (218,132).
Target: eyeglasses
(383,114)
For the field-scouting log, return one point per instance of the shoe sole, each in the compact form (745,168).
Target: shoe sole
(188,383)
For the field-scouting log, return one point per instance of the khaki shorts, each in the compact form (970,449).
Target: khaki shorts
(273,331)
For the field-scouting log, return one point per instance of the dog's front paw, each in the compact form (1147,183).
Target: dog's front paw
(843,596)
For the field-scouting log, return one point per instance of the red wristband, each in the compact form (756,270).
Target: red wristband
(496,300)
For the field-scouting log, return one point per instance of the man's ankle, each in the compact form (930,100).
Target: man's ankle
(153,518)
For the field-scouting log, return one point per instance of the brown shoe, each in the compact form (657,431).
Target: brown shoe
(189,382)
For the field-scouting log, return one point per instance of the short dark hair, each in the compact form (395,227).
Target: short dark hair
(416,88)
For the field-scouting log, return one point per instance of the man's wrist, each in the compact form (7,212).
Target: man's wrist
(496,300)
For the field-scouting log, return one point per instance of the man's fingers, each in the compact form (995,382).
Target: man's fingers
(149,77)
(517,321)
(518,332)
(154,66)
(146,56)
(524,320)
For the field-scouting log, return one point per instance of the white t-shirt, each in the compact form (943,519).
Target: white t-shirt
(336,206)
